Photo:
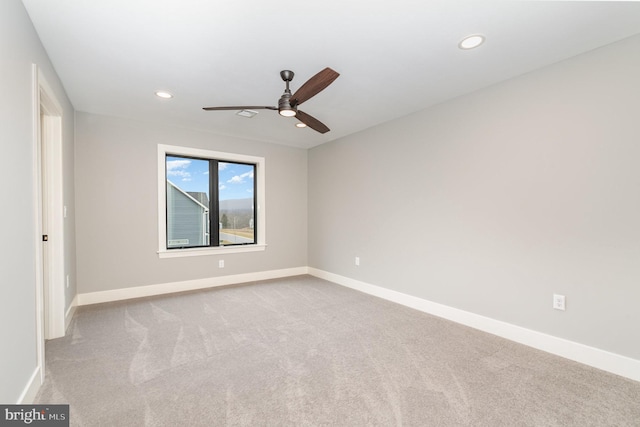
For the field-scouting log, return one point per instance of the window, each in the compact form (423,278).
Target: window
(209,202)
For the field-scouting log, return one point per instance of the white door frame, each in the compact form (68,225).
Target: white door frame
(48,131)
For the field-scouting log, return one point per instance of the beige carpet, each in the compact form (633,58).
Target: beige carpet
(305,352)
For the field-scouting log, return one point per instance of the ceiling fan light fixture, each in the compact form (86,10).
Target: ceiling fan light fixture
(301,125)
(287,112)
(471,42)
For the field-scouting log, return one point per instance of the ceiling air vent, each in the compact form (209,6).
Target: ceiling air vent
(247,113)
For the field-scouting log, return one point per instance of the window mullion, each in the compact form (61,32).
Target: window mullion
(214,208)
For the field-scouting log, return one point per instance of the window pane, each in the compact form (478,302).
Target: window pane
(236,186)
(187,202)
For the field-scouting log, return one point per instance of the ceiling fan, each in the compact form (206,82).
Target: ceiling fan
(288,103)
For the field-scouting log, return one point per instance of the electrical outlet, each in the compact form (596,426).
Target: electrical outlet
(558,302)
(221,263)
(357,261)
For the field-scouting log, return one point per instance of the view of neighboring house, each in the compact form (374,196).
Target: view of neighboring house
(187,218)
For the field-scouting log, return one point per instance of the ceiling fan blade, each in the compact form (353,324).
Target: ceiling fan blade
(312,122)
(242,107)
(313,86)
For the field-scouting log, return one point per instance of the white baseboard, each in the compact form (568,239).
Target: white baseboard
(31,390)
(187,285)
(597,358)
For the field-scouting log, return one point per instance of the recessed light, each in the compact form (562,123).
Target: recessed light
(301,125)
(247,113)
(471,41)
(163,94)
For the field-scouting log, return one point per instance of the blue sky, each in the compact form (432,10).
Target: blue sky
(236,180)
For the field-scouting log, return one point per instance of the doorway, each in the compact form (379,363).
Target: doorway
(50,271)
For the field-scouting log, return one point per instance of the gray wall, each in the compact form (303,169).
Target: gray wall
(117,206)
(19,49)
(494,201)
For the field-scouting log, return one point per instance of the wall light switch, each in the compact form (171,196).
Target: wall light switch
(357,260)
(221,263)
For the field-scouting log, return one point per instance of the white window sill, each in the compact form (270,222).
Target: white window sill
(179,253)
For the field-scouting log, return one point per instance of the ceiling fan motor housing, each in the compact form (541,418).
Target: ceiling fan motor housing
(284,106)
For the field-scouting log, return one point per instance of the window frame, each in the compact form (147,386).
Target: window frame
(260,213)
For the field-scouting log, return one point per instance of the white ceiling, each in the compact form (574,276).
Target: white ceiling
(395,57)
